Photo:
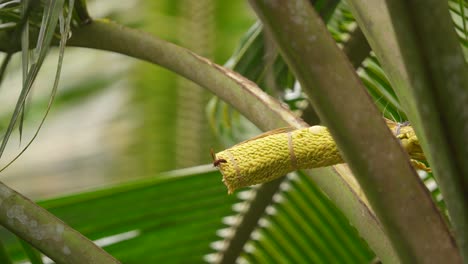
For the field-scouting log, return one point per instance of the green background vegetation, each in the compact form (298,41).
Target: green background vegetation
(121,155)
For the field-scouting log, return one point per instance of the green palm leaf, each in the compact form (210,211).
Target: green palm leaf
(172,217)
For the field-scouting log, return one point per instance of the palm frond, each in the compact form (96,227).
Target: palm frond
(300,225)
(459,12)
(175,215)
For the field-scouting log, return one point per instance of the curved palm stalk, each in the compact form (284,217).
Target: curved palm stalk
(426,66)
(246,97)
(224,83)
(46,232)
(343,105)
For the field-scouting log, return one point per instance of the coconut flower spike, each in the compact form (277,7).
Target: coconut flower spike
(278,152)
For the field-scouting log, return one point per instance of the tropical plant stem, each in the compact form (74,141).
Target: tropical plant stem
(46,232)
(416,44)
(399,199)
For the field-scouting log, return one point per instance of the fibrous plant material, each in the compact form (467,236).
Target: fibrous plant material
(278,152)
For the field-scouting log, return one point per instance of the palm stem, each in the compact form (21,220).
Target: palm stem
(46,232)
(419,50)
(342,103)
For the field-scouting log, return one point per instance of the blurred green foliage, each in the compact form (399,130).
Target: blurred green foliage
(173,130)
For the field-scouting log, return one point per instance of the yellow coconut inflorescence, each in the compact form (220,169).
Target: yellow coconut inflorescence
(278,152)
